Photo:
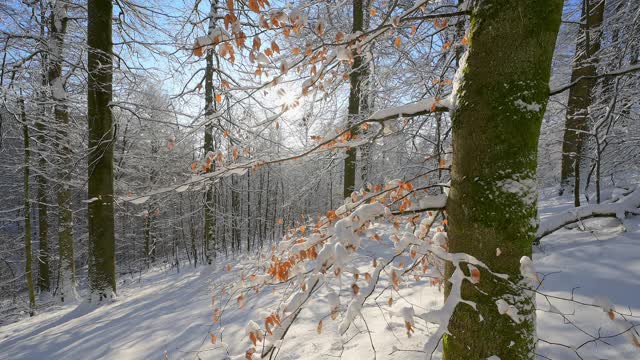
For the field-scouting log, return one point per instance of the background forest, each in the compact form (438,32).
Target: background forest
(139,135)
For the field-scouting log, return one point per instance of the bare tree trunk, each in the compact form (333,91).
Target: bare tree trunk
(356,80)
(501,99)
(44,282)
(102,265)
(577,118)
(209,98)
(58,28)
(27,212)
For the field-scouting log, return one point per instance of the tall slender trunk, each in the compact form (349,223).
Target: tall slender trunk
(209,96)
(249,239)
(356,81)
(501,99)
(57,30)
(577,117)
(235,212)
(44,281)
(27,211)
(102,265)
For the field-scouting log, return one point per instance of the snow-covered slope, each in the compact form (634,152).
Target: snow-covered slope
(171,315)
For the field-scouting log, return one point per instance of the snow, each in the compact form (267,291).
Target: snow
(163,312)
(409,110)
(598,266)
(528,107)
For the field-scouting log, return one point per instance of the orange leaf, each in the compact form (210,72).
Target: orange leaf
(198,51)
(319,329)
(275,47)
(390,301)
(409,328)
(295,51)
(230,5)
(253,338)
(218,98)
(395,280)
(253,5)
(373,12)
(355,288)
(398,42)
(464,41)
(475,274)
(339,36)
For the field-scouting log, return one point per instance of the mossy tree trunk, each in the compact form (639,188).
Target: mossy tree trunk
(27,211)
(501,98)
(102,269)
(577,116)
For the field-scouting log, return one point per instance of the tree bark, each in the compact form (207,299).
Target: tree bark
(57,30)
(577,117)
(209,96)
(356,77)
(102,270)
(501,98)
(27,212)
(44,282)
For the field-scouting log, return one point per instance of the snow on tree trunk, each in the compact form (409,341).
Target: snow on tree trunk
(356,77)
(102,272)
(500,94)
(577,117)
(58,27)
(209,215)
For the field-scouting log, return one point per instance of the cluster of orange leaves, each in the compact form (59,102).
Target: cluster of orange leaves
(440,24)
(279,268)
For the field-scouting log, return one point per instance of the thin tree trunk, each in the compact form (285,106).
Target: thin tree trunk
(44,282)
(502,96)
(43,222)
(27,212)
(356,80)
(577,118)
(102,266)
(209,96)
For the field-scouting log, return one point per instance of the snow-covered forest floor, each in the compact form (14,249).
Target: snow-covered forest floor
(164,314)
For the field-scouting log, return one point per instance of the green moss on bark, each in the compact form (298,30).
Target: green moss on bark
(501,100)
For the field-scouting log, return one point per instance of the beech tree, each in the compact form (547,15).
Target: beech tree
(102,262)
(580,96)
(499,102)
